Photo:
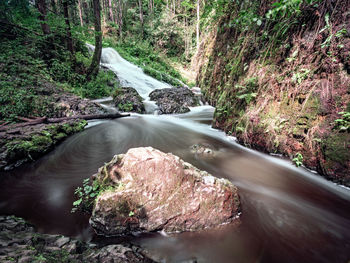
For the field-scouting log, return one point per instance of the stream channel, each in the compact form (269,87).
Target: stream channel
(288,214)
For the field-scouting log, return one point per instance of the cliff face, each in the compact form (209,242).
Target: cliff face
(281,84)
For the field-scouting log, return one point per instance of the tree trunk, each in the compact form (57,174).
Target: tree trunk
(111,18)
(41,5)
(80,12)
(120,24)
(86,12)
(95,63)
(70,46)
(53,6)
(141,17)
(197,26)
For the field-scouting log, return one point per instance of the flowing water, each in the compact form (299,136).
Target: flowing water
(288,214)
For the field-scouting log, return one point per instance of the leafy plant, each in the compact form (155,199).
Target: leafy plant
(301,75)
(298,159)
(86,195)
(248,97)
(127,107)
(343,124)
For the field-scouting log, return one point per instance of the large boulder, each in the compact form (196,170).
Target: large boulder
(126,99)
(154,191)
(174,100)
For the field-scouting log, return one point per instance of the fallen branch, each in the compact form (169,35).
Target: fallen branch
(88,117)
(46,120)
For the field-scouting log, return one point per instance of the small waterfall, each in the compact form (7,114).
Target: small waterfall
(128,74)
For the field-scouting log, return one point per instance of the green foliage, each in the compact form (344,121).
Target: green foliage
(248,97)
(328,27)
(127,107)
(343,124)
(298,159)
(87,194)
(34,66)
(300,75)
(101,86)
(24,82)
(248,91)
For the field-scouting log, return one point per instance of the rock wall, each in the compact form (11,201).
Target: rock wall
(283,91)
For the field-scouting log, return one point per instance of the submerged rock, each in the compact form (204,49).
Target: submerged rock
(174,100)
(126,99)
(19,242)
(153,191)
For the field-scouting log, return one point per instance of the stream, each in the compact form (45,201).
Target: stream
(288,214)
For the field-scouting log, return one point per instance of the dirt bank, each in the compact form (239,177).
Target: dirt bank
(289,93)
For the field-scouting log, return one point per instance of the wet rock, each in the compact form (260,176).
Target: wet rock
(174,100)
(126,99)
(55,248)
(155,191)
(62,241)
(203,150)
(67,105)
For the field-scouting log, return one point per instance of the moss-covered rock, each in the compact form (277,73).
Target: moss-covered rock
(126,99)
(31,142)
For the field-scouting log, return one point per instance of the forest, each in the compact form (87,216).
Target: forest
(174,131)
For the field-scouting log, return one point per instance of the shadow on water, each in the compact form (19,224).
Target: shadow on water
(288,214)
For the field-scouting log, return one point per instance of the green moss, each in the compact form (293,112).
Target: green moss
(59,136)
(336,148)
(41,140)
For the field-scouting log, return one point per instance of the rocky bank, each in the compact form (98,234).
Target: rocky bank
(19,242)
(19,145)
(283,91)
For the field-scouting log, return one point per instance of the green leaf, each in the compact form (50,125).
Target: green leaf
(78,202)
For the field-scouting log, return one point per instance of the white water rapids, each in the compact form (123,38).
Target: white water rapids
(128,74)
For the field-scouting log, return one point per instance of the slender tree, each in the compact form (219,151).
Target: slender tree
(80,12)
(111,18)
(141,17)
(70,45)
(41,5)
(197,26)
(54,6)
(95,63)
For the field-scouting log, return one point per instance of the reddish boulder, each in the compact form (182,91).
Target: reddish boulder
(153,191)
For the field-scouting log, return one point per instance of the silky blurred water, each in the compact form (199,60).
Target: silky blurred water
(288,213)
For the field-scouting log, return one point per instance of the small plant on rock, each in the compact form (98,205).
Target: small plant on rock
(343,124)
(298,159)
(86,195)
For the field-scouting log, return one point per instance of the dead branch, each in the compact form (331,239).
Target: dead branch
(46,120)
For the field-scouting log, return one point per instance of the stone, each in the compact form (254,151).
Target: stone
(126,99)
(62,241)
(174,100)
(155,191)
(52,248)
